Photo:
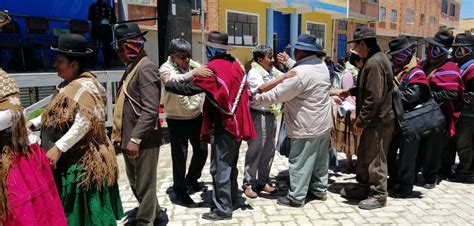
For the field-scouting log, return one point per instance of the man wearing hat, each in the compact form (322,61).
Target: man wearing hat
(447,89)
(463,55)
(226,117)
(136,127)
(414,89)
(374,121)
(307,114)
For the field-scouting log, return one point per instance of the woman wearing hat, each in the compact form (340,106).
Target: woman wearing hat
(73,132)
(413,89)
(447,88)
(27,192)
(463,55)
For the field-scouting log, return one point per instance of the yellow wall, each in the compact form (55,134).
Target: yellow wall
(244,54)
(320,18)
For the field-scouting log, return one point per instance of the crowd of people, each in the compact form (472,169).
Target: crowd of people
(398,114)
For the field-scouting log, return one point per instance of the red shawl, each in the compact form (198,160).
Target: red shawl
(447,77)
(468,74)
(224,87)
(416,75)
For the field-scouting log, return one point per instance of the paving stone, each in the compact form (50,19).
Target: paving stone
(447,204)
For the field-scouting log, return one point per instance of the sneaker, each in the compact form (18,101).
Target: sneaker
(284,201)
(250,193)
(429,185)
(372,203)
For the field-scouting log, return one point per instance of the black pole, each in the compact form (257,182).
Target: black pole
(174,18)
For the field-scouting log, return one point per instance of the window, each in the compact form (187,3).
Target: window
(196,4)
(144,2)
(359,25)
(422,19)
(342,25)
(242,28)
(432,22)
(318,30)
(394,16)
(409,16)
(382,14)
(452,11)
(373,1)
(444,7)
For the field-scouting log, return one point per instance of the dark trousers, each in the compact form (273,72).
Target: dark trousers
(429,156)
(141,173)
(448,156)
(371,168)
(224,156)
(465,141)
(182,131)
(403,168)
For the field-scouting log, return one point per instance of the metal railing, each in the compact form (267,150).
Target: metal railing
(109,78)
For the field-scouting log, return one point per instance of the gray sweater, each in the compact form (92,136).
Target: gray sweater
(307,110)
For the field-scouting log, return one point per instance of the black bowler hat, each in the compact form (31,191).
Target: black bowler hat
(399,44)
(443,38)
(72,45)
(126,31)
(362,33)
(308,43)
(218,40)
(464,39)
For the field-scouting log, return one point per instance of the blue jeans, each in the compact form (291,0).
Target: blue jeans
(308,161)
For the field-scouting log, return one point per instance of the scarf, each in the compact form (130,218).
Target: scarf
(85,95)
(267,76)
(189,102)
(118,108)
(133,47)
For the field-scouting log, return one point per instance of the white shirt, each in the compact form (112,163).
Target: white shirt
(78,130)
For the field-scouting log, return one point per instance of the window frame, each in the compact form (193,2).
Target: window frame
(412,21)
(391,16)
(196,2)
(452,10)
(247,14)
(339,25)
(444,7)
(384,14)
(325,31)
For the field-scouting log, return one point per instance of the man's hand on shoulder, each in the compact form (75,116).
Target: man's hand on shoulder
(202,72)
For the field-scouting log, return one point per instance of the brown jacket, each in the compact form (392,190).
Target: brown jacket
(374,92)
(145,88)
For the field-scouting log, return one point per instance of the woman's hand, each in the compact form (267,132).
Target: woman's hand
(53,155)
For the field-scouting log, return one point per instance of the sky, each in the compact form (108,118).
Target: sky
(467,9)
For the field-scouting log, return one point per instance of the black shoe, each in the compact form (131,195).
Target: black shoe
(162,219)
(459,177)
(195,187)
(354,193)
(372,203)
(429,185)
(402,194)
(312,197)
(213,216)
(184,198)
(284,201)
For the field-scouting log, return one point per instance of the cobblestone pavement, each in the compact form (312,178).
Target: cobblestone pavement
(447,204)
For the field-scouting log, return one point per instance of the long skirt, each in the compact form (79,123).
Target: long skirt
(90,206)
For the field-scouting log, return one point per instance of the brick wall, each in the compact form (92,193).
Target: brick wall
(136,11)
(446,20)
